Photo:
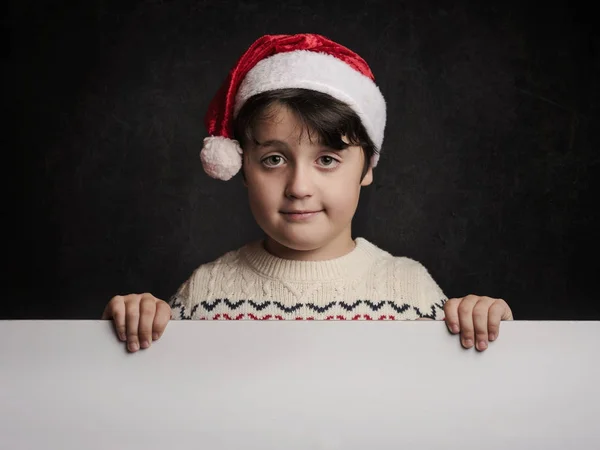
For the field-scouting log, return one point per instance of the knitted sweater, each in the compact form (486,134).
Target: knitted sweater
(366,284)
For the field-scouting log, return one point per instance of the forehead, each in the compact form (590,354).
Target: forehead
(279,123)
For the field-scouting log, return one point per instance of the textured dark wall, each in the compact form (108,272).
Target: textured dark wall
(488,174)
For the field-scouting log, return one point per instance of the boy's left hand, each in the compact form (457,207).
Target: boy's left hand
(476,318)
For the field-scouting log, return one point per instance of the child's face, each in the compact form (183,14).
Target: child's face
(286,173)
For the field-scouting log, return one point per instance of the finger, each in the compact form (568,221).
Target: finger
(451,313)
(465,318)
(147,312)
(132,319)
(161,319)
(480,322)
(115,310)
(498,311)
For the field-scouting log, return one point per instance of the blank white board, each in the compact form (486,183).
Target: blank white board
(299,385)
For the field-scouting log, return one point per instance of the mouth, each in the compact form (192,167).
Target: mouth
(300,214)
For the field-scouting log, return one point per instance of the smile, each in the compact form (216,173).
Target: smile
(297,216)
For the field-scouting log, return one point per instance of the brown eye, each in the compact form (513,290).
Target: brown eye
(272,161)
(328,161)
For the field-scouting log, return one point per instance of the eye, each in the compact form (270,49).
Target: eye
(273,160)
(328,161)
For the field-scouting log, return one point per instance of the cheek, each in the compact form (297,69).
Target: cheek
(342,200)
(261,197)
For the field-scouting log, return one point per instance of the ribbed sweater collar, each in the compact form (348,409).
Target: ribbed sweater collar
(349,265)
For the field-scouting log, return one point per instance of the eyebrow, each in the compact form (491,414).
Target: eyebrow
(272,143)
(278,143)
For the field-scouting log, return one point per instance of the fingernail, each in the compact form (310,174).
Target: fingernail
(155,336)
(145,344)
(455,328)
(492,337)
(468,343)
(482,345)
(133,346)
(122,336)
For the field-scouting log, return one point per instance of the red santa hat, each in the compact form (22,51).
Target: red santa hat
(308,61)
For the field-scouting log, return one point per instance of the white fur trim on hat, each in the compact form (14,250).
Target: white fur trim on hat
(323,73)
(221,157)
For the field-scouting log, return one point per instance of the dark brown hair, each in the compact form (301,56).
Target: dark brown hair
(322,115)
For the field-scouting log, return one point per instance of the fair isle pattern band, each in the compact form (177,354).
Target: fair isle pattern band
(225,309)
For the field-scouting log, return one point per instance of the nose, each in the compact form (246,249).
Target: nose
(299,183)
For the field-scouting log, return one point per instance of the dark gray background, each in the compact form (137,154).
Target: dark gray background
(488,174)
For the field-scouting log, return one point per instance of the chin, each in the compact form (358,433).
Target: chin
(299,243)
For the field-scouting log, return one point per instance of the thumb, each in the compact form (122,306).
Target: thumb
(507,312)
(161,319)
(106,313)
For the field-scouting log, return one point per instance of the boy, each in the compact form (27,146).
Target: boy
(302,118)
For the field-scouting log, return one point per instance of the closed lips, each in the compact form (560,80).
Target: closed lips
(299,212)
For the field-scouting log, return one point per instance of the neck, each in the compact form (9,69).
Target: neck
(337,247)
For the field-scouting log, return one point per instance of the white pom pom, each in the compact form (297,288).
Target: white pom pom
(374,159)
(221,157)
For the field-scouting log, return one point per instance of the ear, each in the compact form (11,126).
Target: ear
(368,178)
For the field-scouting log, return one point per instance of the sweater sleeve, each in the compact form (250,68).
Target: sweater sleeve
(180,302)
(431,296)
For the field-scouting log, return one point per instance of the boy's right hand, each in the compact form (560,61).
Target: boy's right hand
(139,318)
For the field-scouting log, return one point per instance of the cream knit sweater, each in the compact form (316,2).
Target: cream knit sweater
(366,284)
